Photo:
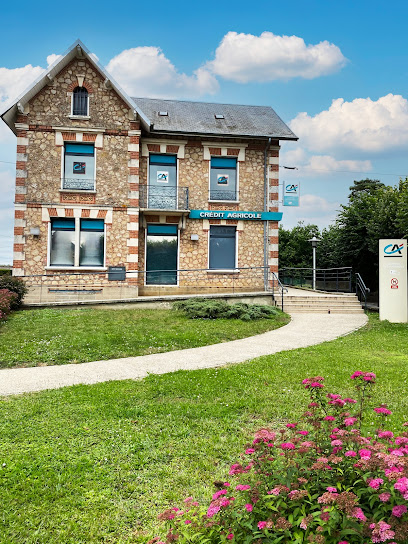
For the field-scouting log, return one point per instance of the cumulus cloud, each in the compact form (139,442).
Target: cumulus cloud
(145,71)
(244,57)
(363,124)
(321,165)
(313,209)
(52,58)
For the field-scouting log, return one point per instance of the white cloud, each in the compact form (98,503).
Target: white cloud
(145,71)
(313,209)
(52,58)
(321,165)
(244,57)
(362,125)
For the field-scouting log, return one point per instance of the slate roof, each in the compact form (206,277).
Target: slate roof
(199,118)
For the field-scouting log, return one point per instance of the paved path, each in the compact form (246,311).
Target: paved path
(303,330)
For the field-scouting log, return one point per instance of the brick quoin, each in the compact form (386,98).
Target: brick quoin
(18,247)
(133,250)
(19,214)
(274,167)
(134,202)
(172,148)
(21,149)
(274,239)
(21,134)
(134,171)
(215,150)
(274,153)
(20,182)
(21,165)
(22,118)
(135,140)
(133,218)
(133,233)
(102,214)
(17,264)
(234,152)
(133,186)
(132,266)
(18,231)
(273,254)
(20,198)
(134,125)
(134,154)
(85,213)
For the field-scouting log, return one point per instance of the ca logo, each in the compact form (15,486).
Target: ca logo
(291,188)
(393,250)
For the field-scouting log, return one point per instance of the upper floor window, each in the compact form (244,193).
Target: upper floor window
(80,102)
(223,178)
(79,167)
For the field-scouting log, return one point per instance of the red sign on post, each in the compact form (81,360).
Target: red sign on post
(394,283)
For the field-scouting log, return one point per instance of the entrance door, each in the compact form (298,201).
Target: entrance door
(161,255)
(162,182)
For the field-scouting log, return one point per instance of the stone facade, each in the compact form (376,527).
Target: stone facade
(121,164)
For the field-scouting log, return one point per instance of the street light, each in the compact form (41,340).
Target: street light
(314,241)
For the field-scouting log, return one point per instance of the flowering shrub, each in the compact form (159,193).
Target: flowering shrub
(15,285)
(319,480)
(7,298)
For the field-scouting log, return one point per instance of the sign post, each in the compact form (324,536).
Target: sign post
(393,291)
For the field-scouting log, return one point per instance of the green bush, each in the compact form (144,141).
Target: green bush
(7,298)
(219,309)
(5,272)
(15,285)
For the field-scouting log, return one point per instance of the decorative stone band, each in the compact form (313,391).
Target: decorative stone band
(77,211)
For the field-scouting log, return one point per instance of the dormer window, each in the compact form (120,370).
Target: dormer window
(80,102)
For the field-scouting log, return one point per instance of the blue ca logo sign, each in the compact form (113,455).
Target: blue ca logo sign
(291,188)
(393,250)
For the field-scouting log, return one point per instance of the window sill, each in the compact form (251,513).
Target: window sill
(223,271)
(224,201)
(83,117)
(77,268)
(77,191)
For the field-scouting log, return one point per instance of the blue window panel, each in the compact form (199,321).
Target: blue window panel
(220,162)
(79,149)
(161,229)
(163,159)
(222,248)
(92,224)
(63,224)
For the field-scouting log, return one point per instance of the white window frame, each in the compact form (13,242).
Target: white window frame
(72,116)
(63,169)
(77,246)
(236,201)
(223,270)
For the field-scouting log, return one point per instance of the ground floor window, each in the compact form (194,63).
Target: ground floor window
(161,255)
(222,248)
(77,242)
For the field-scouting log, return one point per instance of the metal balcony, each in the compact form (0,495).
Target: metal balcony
(153,197)
(78,184)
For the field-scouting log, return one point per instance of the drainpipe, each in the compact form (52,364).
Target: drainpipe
(266,223)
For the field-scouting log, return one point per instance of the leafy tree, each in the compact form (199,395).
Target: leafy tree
(295,249)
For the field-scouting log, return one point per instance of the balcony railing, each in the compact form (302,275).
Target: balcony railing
(163,198)
(223,195)
(78,184)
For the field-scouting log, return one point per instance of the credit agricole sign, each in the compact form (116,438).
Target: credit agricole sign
(234,214)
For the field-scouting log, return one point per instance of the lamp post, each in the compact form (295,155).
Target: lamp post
(314,241)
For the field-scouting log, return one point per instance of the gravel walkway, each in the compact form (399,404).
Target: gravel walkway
(303,330)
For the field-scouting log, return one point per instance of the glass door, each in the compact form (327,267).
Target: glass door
(161,255)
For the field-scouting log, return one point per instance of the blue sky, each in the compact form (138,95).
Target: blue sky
(337,73)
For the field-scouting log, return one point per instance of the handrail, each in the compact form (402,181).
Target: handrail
(280,284)
(364,290)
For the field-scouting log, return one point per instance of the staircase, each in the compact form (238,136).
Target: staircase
(302,301)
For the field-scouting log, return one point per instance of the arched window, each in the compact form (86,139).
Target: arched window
(80,101)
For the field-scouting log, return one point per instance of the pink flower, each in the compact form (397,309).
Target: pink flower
(401,485)
(291,425)
(359,514)
(349,421)
(350,401)
(399,510)
(364,454)
(329,418)
(304,433)
(384,497)
(230,536)
(219,493)
(350,453)
(381,532)
(226,484)
(275,491)
(336,443)
(249,507)
(332,489)
(356,374)
(375,483)
(385,434)
(343,542)
(187,521)
(241,487)
(303,524)
(261,525)
(383,410)
(287,446)
(249,451)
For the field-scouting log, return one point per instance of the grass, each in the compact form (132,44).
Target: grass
(92,464)
(60,336)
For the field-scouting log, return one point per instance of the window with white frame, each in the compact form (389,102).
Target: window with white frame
(79,167)
(80,102)
(222,250)
(77,242)
(223,178)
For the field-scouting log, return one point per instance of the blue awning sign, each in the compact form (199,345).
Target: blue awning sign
(236,215)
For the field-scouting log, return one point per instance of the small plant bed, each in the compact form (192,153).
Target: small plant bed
(61,336)
(219,309)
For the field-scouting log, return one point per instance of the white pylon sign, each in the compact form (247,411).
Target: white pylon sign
(393,292)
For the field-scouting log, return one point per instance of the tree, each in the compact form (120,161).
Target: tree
(294,248)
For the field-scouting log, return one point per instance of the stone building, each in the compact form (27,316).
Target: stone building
(118,197)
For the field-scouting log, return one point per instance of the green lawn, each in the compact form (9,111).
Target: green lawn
(60,336)
(92,464)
